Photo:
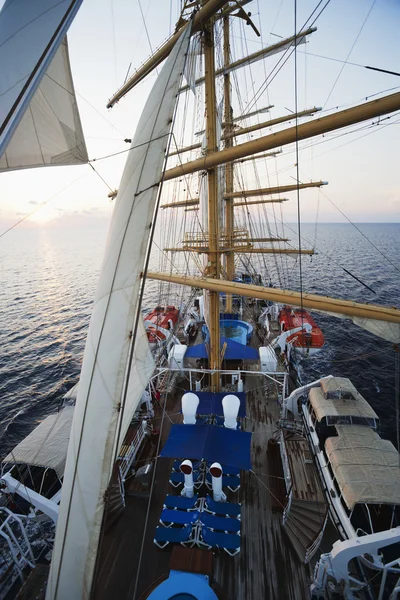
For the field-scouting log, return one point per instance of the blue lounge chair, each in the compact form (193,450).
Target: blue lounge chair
(220,523)
(222,508)
(180,502)
(172,535)
(232,482)
(230,470)
(229,542)
(179,517)
(177,478)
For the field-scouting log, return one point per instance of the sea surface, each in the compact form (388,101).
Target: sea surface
(47,284)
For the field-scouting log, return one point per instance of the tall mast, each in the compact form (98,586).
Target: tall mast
(229,216)
(213,266)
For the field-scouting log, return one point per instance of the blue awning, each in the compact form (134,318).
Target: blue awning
(214,444)
(233,351)
(211,403)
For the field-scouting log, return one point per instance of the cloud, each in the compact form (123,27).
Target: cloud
(33,202)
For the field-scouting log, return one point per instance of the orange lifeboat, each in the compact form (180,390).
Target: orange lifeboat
(308,342)
(159,322)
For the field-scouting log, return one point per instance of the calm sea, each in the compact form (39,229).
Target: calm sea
(47,284)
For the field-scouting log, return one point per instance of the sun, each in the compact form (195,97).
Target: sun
(43,215)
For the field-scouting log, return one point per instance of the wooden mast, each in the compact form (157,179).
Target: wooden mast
(213,266)
(229,212)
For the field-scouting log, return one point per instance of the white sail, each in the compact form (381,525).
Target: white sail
(39,120)
(107,352)
(140,372)
(384,329)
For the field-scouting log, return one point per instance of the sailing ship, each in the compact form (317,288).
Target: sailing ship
(233,476)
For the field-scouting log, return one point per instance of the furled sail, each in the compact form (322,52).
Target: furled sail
(39,119)
(108,354)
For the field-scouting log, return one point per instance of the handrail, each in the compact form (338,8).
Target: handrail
(288,506)
(285,463)
(129,457)
(311,550)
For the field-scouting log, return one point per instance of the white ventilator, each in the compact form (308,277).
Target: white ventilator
(230,405)
(216,478)
(190,402)
(188,487)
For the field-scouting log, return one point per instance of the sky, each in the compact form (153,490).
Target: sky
(108,37)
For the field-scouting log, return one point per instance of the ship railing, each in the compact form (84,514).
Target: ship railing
(129,456)
(287,507)
(311,550)
(20,554)
(285,463)
(293,426)
(339,518)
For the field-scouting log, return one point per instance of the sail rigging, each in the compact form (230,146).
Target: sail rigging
(108,348)
(39,119)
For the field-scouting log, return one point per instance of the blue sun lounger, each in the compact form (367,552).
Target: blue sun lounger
(222,508)
(177,478)
(179,517)
(180,502)
(233,471)
(172,535)
(232,482)
(229,542)
(220,523)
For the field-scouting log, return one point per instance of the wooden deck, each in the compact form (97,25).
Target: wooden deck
(130,563)
(306,484)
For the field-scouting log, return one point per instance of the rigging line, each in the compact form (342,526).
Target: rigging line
(146,520)
(352,64)
(42,205)
(85,100)
(36,18)
(284,58)
(350,51)
(266,487)
(329,138)
(359,280)
(114,43)
(397,392)
(103,180)
(127,149)
(361,232)
(146,30)
(297,166)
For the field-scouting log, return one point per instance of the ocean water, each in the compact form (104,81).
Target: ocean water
(47,284)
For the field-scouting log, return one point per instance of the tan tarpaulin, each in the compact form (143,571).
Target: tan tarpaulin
(47,445)
(340,399)
(365,466)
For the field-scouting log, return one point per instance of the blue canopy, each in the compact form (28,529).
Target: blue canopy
(211,403)
(233,351)
(214,444)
